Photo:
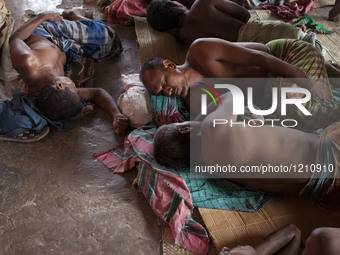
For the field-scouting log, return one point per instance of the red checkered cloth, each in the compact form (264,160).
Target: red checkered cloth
(121,11)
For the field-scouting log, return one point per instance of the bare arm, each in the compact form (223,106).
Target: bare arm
(253,46)
(216,51)
(105,101)
(285,241)
(28,28)
(21,54)
(214,54)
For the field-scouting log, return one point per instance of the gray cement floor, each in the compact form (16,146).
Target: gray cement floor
(54,197)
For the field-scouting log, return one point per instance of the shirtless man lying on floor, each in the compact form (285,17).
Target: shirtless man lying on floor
(286,241)
(217,18)
(217,58)
(41,65)
(245,146)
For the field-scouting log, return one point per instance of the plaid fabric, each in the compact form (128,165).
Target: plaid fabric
(290,10)
(165,191)
(309,60)
(173,194)
(121,11)
(172,106)
(263,31)
(85,38)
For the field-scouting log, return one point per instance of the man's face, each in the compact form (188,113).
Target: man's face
(64,82)
(168,82)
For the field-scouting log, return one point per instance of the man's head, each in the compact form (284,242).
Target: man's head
(164,15)
(172,144)
(60,101)
(161,76)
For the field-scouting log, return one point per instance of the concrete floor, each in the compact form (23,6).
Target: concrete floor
(54,197)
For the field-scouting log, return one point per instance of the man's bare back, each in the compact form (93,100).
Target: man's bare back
(241,145)
(211,18)
(205,18)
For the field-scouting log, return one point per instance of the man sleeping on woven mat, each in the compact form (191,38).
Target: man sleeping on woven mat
(286,240)
(216,58)
(221,19)
(41,51)
(203,144)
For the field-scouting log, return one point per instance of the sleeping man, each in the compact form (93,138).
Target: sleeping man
(218,18)
(43,47)
(244,146)
(216,58)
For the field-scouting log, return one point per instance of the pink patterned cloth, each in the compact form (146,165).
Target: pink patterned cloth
(291,10)
(120,11)
(165,191)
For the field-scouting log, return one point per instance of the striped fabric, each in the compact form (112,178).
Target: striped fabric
(172,195)
(308,59)
(323,182)
(263,31)
(171,106)
(301,54)
(85,38)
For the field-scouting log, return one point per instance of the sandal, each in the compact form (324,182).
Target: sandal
(26,136)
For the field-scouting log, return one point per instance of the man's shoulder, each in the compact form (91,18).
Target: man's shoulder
(204,2)
(27,65)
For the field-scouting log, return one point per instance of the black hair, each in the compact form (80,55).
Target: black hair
(59,104)
(161,16)
(151,64)
(171,149)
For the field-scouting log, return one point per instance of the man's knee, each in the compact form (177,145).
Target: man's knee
(319,235)
(321,241)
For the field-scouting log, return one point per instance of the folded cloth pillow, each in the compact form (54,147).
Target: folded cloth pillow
(135,102)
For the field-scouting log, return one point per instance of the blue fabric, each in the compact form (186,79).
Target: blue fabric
(21,113)
(84,38)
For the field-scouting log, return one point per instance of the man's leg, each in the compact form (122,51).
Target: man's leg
(323,241)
